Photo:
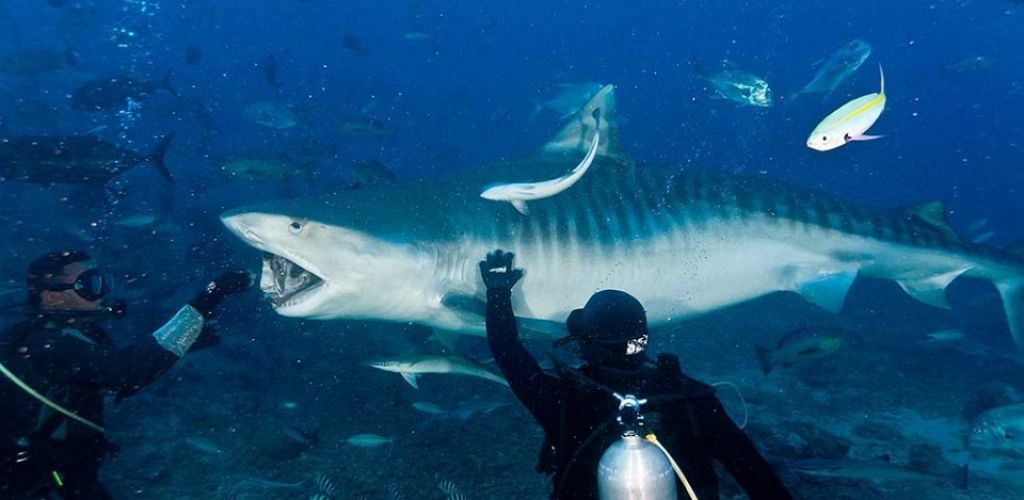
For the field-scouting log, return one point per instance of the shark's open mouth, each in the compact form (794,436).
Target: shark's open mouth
(286,283)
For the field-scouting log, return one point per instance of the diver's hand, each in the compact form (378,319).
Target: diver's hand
(498,272)
(234,281)
(231,282)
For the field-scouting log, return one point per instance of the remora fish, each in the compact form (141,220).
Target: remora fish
(670,237)
(837,68)
(802,344)
(115,91)
(411,367)
(999,431)
(874,471)
(740,86)
(850,121)
(519,193)
(75,159)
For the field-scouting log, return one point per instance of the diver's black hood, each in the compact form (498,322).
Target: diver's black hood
(613,316)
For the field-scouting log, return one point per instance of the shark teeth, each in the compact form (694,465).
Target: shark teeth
(286,283)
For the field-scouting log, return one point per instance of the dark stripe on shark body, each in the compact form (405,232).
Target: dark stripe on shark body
(616,205)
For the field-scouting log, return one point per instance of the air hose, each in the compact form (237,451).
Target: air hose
(46,401)
(679,472)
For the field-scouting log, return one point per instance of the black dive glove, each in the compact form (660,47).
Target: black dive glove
(231,282)
(497,271)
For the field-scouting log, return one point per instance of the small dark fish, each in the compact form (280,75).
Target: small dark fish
(367,129)
(193,55)
(372,173)
(802,344)
(266,484)
(37,62)
(972,64)
(75,159)
(355,45)
(301,436)
(268,66)
(113,92)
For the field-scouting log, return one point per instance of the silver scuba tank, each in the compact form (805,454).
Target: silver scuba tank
(633,468)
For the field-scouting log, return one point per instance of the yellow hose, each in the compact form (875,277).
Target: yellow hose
(679,472)
(43,399)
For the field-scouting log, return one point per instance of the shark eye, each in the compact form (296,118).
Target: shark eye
(295,227)
(824,138)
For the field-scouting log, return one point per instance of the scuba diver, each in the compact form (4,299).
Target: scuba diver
(58,364)
(583,410)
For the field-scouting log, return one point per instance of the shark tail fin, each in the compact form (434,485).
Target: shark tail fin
(156,158)
(597,114)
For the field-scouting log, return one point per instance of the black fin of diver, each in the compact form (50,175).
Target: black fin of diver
(156,158)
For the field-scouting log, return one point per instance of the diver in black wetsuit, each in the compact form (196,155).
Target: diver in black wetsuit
(577,411)
(60,353)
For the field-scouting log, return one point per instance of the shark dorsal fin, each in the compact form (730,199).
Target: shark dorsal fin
(933,213)
(575,136)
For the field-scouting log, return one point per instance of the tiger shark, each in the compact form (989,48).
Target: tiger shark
(683,242)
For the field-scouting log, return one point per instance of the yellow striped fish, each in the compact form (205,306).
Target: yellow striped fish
(850,121)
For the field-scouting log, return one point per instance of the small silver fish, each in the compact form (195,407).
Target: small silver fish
(946,336)
(369,440)
(136,221)
(428,408)
(203,445)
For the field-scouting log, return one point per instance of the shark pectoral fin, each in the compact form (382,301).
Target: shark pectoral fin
(1012,292)
(827,291)
(931,290)
(865,137)
(450,340)
(520,206)
(543,328)
(410,378)
(465,303)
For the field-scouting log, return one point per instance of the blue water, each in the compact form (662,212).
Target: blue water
(462,95)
